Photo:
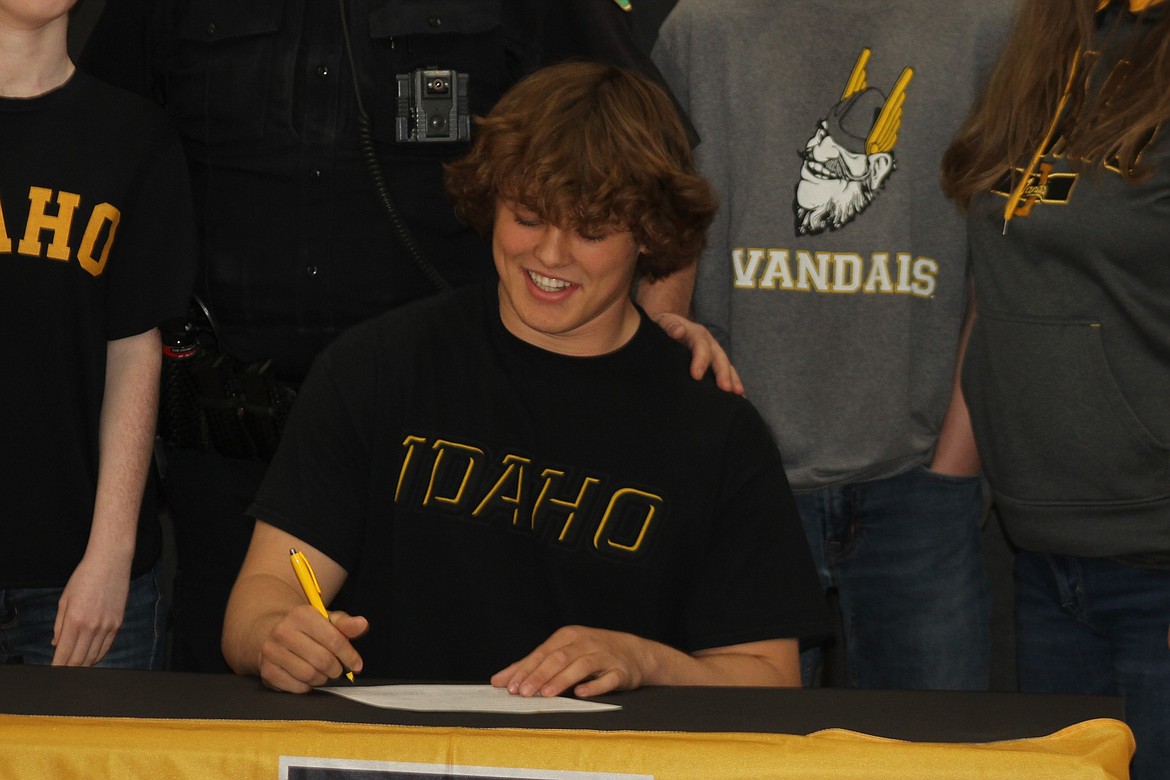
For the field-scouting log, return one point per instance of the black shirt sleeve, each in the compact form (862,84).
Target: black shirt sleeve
(757,580)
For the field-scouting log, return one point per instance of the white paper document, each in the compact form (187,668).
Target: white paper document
(461,698)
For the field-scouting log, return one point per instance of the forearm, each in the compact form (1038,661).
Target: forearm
(126,436)
(593,661)
(955,451)
(668,302)
(257,604)
(270,629)
(272,632)
(773,664)
(93,602)
(669,295)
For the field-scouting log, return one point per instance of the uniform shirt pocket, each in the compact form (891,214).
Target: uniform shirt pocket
(221,78)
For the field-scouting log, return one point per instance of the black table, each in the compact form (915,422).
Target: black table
(162,708)
(924,716)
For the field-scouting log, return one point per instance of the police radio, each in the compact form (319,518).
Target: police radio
(432,106)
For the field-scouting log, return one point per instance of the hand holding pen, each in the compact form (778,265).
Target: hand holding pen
(308,581)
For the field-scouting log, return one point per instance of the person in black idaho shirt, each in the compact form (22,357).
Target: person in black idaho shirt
(96,250)
(519,481)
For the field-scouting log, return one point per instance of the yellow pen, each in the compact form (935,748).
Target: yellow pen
(310,586)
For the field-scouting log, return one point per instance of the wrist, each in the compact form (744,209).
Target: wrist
(956,466)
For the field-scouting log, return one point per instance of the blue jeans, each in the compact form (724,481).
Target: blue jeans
(27,616)
(1094,626)
(905,558)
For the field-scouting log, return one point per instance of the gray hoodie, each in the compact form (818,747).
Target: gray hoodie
(1067,374)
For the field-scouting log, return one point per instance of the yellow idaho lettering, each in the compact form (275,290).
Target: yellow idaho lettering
(514,474)
(57,225)
(472,455)
(102,222)
(54,215)
(624,526)
(411,443)
(573,506)
(5,241)
(651,503)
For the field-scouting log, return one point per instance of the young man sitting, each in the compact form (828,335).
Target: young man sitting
(520,482)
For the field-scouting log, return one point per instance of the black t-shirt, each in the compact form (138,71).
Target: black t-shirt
(110,255)
(482,492)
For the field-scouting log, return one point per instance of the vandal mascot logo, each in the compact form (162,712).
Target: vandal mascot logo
(850,156)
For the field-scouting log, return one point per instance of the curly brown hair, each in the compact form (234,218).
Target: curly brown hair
(587,146)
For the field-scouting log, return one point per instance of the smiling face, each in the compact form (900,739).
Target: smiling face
(586,144)
(562,290)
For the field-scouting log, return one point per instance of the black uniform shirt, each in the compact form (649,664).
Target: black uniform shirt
(295,246)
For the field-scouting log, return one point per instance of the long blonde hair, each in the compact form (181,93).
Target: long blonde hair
(1042,61)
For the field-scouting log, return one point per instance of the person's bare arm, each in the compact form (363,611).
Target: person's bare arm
(672,293)
(955,452)
(593,661)
(668,302)
(92,606)
(269,628)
